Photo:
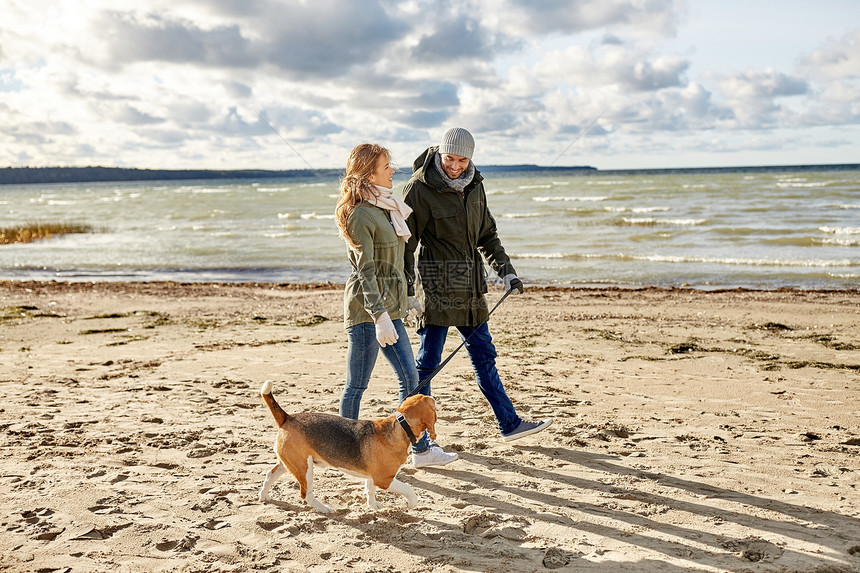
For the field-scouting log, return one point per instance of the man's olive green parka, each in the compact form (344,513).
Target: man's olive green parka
(453,233)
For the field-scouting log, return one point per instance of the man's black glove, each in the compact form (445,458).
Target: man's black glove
(513,282)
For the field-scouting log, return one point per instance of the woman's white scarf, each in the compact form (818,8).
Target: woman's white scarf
(396,207)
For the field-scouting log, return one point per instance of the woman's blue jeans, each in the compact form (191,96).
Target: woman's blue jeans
(362,352)
(482,354)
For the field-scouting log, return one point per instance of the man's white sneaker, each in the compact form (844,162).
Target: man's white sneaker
(526,428)
(435,456)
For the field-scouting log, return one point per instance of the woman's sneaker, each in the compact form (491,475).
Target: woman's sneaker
(526,428)
(435,456)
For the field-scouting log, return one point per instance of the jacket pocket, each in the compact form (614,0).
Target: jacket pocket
(447,221)
(391,290)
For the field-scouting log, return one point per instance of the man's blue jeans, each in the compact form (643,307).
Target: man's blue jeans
(362,352)
(482,353)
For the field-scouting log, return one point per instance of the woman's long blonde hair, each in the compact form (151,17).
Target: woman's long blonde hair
(355,186)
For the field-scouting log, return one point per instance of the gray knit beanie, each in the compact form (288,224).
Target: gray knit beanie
(457,141)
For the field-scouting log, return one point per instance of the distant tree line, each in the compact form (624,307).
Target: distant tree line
(23,175)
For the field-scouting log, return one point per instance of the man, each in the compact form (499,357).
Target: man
(455,229)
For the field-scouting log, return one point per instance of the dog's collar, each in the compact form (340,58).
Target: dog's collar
(401,419)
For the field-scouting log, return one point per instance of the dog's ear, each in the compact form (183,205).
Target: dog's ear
(428,414)
(420,412)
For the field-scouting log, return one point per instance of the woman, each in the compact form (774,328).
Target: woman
(373,223)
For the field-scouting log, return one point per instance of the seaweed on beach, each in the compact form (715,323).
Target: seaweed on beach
(797,364)
(228,344)
(311,320)
(108,315)
(689,346)
(15,312)
(772,326)
(827,340)
(692,346)
(24,311)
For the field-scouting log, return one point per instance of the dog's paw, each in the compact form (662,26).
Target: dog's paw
(406,491)
(373,504)
(319,506)
(411,501)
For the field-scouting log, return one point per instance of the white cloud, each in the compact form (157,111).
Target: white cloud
(611,64)
(528,18)
(179,83)
(837,60)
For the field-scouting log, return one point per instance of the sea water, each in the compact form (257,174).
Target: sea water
(763,228)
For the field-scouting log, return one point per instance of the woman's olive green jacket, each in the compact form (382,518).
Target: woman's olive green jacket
(377,283)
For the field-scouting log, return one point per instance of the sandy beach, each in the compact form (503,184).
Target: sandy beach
(694,431)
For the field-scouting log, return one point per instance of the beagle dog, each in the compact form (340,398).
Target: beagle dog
(372,450)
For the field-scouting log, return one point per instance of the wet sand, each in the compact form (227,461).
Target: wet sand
(694,431)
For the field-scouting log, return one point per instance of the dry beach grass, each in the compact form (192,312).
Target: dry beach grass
(36,231)
(694,431)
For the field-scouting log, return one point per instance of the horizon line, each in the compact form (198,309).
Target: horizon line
(64,174)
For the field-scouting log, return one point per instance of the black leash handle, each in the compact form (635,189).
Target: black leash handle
(426,381)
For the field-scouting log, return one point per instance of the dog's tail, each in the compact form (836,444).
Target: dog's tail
(276,410)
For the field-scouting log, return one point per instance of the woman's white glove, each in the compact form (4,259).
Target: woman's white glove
(385,332)
(414,308)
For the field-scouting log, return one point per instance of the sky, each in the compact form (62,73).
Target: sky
(293,84)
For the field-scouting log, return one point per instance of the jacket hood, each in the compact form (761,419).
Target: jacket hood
(424,170)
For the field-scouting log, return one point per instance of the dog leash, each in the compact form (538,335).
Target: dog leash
(426,381)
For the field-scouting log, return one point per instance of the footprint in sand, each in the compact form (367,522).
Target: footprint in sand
(104,509)
(185,544)
(754,549)
(214,524)
(555,558)
(97,533)
(269,525)
(200,451)
(38,521)
(487,525)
